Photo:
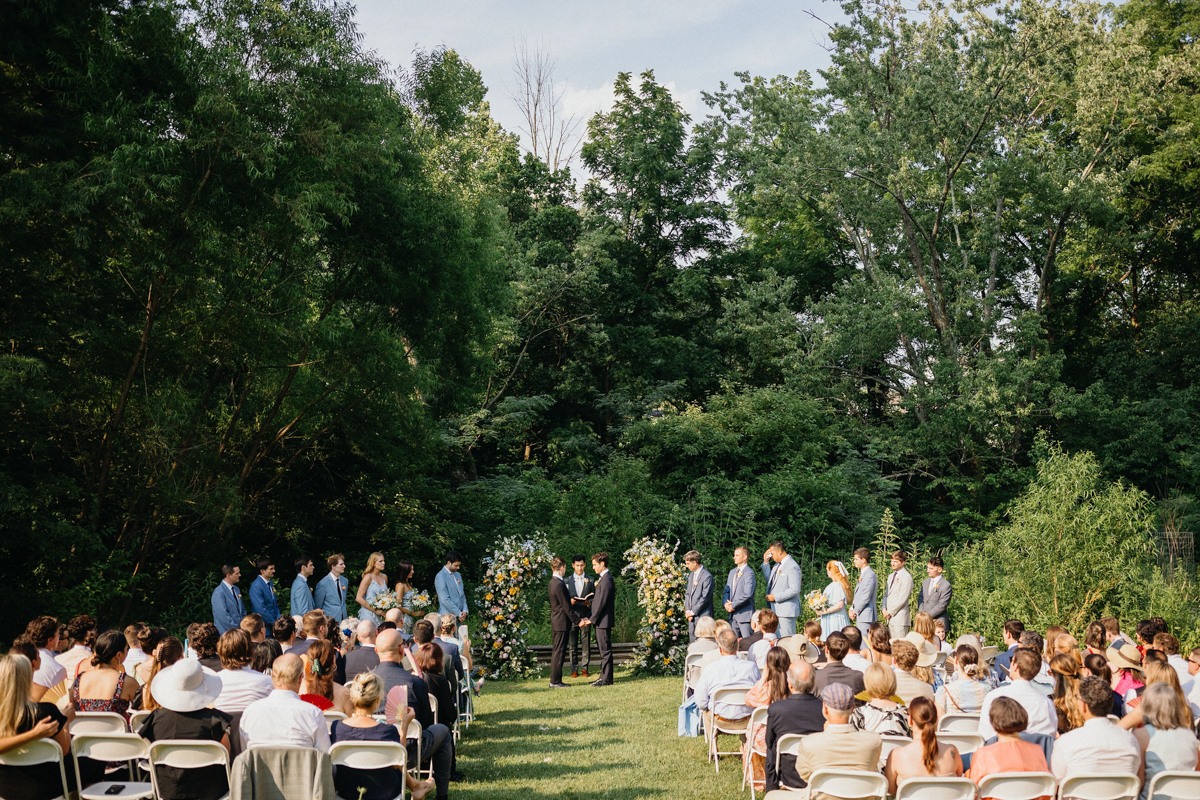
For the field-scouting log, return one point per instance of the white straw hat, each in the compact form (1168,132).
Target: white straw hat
(185,686)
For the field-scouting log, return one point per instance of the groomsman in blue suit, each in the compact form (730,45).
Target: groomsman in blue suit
(739,593)
(227,605)
(302,596)
(262,593)
(330,595)
(452,599)
(862,607)
(783,587)
(698,600)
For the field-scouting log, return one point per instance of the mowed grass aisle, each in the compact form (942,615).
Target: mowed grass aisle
(614,743)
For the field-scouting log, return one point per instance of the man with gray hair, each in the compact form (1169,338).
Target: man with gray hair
(363,658)
(727,672)
(698,600)
(282,719)
(839,746)
(800,712)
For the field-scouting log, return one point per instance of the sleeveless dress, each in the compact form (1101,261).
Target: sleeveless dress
(838,619)
(90,770)
(408,622)
(373,590)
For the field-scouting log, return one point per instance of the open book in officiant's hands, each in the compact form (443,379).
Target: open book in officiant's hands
(586,600)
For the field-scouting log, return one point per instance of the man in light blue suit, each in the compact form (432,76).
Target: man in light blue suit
(739,593)
(862,608)
(227,605)
(262,593)
(783,587)
(330,595)
(452,599)
(302,596)
(698,599)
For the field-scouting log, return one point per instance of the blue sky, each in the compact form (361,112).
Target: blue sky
(691,46)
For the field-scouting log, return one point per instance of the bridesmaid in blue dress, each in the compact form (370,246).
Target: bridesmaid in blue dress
(838,593)
(373,584)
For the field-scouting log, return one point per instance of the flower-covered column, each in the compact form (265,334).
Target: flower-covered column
(663,636)
(513,569)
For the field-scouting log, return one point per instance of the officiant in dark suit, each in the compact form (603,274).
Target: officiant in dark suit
(560,621)
(603,617)
(580,589)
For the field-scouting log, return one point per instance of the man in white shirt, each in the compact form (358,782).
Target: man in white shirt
(1170,645)
(1099,745)
(82,632)
(43,634)
(240,685)
(727,672)
(768,623)
(854,659)
(136,654)
(1043,718)
(282,719)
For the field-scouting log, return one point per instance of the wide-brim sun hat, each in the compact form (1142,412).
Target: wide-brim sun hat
(926,653)
(185,686)
(1124,657)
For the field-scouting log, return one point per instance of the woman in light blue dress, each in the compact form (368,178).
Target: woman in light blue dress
(838,594)
(373,584)
(405,592)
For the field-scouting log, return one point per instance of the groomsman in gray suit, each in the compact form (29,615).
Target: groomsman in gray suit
(862,608)
(739,593)
(698,601)
(936,592)
(895,600)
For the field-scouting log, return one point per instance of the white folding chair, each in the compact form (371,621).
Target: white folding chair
(332,716)
(1108,786)
(989,654)
(940,659)
(39,751)
(965,742)
(433,706)
(733,697)
(95,723)
(414,732)
(137,719)
(757,717)
(787,745)
(186,754)
(959,723)
(370,755)
(848,784)
(936,789)
(891,743)
(466,710)
(691,661)
(1018,785)
(1174,785)
(108,747)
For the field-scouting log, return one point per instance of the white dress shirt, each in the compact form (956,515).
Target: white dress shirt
(1043,717)
(758,650)
(50,673)
(240,688)
(1098,746)
(855,661)
(282,719)
(580,582)
(72,658)
(727,672)
(1179,664)
(136,656)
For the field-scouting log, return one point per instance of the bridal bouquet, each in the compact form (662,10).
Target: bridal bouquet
(421,603)
(817,601)
(382,603)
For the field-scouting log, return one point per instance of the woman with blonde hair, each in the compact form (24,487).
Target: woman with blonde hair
(926,757)
(166,653)
(838,593)
(923,624)
(883,712)
(1167,741)
(1065,669)
(22,721)
(374,583)
(1156,672)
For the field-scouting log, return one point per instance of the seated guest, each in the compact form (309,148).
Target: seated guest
(854,657)
(1145,632)
(366,691)
(136,654)
(183,692)
(1041,714)
(812,634)
(364,659)
(82,632)
(282,719)
(167,652)
(713,656)
(284,632)
(746,642)
(1156,672)
(1127,661)
(706,636)
(1010,753)
(881,645)
(799,712)
(1043,681)
(317,685)
(982,671)
(1096,665)
(316,625)
(1066,645)
(43,633)
(839,745)
(428,657)
(908,686)
(263,655)
(727,673)
(834,671)
(1168,644)
(203,640)
(926,757)
(771,687)
(1094,640)
(254,627)
(883,713)
(22,721)
(1098,745)
(1065,670)
(1112,633)
(454,649)
(939,630)
(924,625)
(106,686)
(240,683)
(148,641)
(1167,740)
(964,694)
(768,623)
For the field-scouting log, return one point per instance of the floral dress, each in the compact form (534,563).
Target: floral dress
(90,770)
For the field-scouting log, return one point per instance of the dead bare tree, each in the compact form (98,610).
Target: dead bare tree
(552,137)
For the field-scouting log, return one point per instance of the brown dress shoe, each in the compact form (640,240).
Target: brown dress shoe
(585,672)
(574,674)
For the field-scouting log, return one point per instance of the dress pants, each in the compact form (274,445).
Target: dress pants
(787,626)
(741,627)
(577,634)
(896,630)
(558,652)
(864,628)
(604,644)
(438,746)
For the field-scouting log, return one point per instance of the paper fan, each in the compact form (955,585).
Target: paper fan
(393,706)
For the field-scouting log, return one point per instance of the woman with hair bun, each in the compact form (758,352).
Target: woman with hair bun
(925,757)
(965,693)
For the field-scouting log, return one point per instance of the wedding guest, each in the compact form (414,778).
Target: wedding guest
(1066,692)
(1041,713)
(854,657)
(82,632)
(706,637)
(746,642)
(106,687)
(1010,753)
(1170,645)
(452,599)
(185,693)
(262,592)
(1096,665)
(1011,633)
(364,659)
(240,683)
(148,642)
(316,624)
(908,686)
(698,596)
(768,623)
(136,654)
(428,658)
(883,713)
(282,719)
(965,694)
(1156,672)
(301,596)
(924,625)
(21,721)
(317,684)
(373,584)
(1098,746)
(926,757)
(1112,633)
(43,634)
(798,712)
(1169,742)
(895,598)
(167,652)
(839,745)
(284,632)
(728,672)
(881,646)
(771,688)
(203,641)
(329,595)
(227,607)
(1127,661)
(863,607)
(453,649)
(837,646)
(812,634)
(263,656)
(982,673)
(738,596)
(253,626)
(1193,665)
(783,587)
(1094,638)
(1052,634)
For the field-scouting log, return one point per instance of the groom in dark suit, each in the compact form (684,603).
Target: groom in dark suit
(602,617)
(560,621)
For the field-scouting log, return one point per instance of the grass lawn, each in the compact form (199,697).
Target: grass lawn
(612,743)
